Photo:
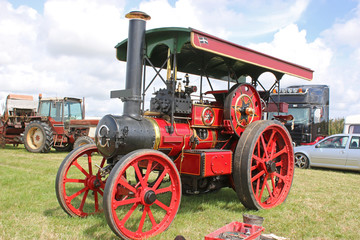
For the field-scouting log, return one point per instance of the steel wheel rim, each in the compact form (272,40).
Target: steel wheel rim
(145,195)
(91,183)
(271,171)
(35,138)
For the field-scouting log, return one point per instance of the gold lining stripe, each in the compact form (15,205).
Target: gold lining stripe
(157,132)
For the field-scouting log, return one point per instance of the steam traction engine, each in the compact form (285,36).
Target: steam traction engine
(148,159)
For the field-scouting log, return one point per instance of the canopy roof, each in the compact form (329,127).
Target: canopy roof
(202,54)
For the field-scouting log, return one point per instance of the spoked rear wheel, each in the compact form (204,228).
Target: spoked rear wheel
(263,165)
(142,194)
(79,184)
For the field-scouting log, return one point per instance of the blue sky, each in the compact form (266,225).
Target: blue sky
(65,47)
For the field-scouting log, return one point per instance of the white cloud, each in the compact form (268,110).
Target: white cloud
(69,49)
(290,44)
(334,56)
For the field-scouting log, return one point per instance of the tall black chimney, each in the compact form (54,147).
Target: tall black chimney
(131,96)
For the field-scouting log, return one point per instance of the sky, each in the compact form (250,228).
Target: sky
(66,47)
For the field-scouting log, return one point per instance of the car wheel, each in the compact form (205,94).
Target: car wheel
(301,161)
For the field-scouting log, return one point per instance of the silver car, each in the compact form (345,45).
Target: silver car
(341,151)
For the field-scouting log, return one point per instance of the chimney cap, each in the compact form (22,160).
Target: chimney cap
(138,15)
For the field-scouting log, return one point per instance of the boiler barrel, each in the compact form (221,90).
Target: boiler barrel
(119,135)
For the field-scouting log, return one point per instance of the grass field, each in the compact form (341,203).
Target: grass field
(322,204)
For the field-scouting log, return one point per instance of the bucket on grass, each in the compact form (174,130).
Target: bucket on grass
(253,219)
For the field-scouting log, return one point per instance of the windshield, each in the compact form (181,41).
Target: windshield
(44,109)
(301,115)
(73,110)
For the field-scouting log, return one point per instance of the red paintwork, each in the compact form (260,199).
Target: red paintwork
(273,107)
(231,50)
(173,144)
(180,139)
(196,115)
(316,141)
(85,122)
(205,163)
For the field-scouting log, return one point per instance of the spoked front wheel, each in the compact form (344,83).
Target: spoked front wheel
(142,194)
(79,183)
(263,165)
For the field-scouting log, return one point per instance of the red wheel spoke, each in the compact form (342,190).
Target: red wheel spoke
(77,194)
(271,138)
(152,219)
(100,191)
(126,217)
(127,185)
(163,190)
(269,190)
(96,201)
(163,206)
(83,200)
(148,170)
(257,187)
(258,159)
(261,173)
(158,181)
(90,164)
(264,146)
(282,151)
(80,168)
(279,164)
(272,151)
(279,176)
(70,180)
(272,182)
(142,220)
(262,189)
(139,175)
(126,202)
(258,145)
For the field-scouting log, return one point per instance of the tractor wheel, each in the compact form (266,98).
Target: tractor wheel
(301,160)
(263,166)
(38,137)
(138,203)
(83,140)
(79,184)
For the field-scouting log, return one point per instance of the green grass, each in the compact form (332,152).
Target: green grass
(322,204)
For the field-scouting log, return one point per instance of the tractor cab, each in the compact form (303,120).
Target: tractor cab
(61,109)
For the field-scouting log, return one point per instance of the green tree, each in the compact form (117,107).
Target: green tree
(336,125)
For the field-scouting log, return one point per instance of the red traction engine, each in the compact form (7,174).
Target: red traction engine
(148,159)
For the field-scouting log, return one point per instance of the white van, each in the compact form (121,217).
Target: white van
(352,124)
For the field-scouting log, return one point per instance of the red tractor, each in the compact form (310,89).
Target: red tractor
(184,144)
(17,112)
(60,124)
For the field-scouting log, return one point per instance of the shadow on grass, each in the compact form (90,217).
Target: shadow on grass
(334,170)
(224,199)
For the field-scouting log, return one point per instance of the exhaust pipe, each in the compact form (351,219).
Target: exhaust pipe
(131,96)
